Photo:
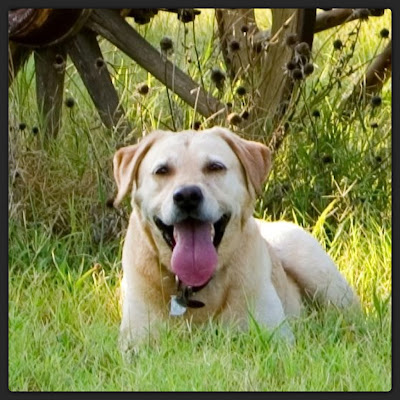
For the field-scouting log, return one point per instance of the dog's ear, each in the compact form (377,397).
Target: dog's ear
(255,158)
(126,164)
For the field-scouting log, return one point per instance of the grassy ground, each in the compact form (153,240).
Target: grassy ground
(332,176)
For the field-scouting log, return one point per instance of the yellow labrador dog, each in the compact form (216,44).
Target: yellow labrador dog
(193,248)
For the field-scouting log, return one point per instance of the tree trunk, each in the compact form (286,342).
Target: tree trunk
(236,31)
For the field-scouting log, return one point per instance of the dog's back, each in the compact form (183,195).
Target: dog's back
(304,260)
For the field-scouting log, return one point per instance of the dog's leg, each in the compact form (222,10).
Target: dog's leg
(263,305)
(269,311)
(138,322)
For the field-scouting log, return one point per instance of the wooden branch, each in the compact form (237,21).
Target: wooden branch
(17,56)
(110,25)
(50,72)
(378,72)
(326,20)
(338,16)
(329,19)
(85,53)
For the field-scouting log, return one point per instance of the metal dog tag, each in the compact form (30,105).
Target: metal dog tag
(176,308)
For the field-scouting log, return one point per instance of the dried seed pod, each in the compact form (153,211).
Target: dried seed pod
(22,126)
(167,45)
(297,74)
(234,46)
(59,63)
(35,130)
(142,20)
(187,14)
(291,65)
(316,114)
(244,29)
(59,59)
(196,125)
(143,89)
(257,47)
(234,119)
(99,63)
(362,13)
(308,69)
(244,114)
(241,90)
(291,39)
(218,77)
(376,101)
(303,49)
(69,102)
(337,44)
(384,33)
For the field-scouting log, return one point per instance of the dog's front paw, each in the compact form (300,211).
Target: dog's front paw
(128,346)
(283,331)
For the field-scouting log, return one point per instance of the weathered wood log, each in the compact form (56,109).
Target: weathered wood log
(110,25)
(335,17)
(330,19)
(17,56)
(326,20)
(86,55)
(50,73)
(276,85)
(38,27)
(262,68)
(304,32)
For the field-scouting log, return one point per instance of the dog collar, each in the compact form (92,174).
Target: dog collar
(181,301)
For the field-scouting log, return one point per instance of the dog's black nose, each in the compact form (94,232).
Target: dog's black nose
(188,198)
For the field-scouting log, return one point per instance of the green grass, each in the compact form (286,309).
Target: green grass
(332,175)
(64,326)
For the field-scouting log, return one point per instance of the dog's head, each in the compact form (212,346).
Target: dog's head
(192,189)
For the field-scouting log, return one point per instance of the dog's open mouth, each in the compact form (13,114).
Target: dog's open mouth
(194,246)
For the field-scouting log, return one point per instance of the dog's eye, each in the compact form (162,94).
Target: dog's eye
(161,170)
(215,166)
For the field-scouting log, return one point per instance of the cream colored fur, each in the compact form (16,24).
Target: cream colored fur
(263,268)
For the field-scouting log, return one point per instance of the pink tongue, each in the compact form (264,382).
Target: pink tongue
(194,257)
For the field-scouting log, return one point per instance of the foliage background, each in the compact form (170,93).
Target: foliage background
(332,175)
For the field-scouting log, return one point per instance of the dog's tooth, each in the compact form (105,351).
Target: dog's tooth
(212,232)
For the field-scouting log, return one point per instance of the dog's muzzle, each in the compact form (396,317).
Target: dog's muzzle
(167,231)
